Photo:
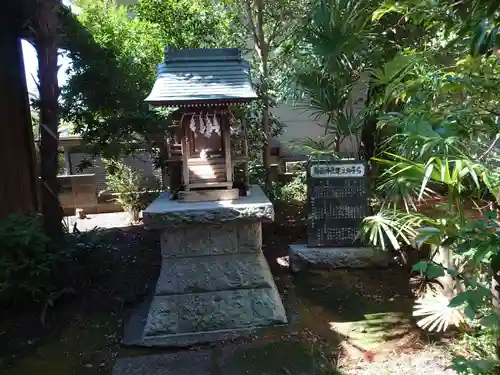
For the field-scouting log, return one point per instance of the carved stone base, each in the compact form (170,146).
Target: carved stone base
(214,282)
(213,274)
(186,319)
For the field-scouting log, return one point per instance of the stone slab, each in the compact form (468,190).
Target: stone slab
(206,239)
(200,313)
(212,274)
(182,363)
(301,257)
(165,212)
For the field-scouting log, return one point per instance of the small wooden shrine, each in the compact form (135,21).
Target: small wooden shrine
(203,84)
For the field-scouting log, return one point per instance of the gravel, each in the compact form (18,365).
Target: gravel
(430,360)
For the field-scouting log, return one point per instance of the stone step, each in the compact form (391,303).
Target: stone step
(211,274)
(179,320)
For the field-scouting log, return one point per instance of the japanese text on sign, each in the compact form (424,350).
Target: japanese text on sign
(336,202)
(337,170)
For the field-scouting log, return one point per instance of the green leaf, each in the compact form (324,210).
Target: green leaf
(479,224)
(434,271)
(420,266)
(452,272)
(491,215)
(489,321)
(460,299)
(428,235)
(431,270)
(462,365)
(495,262)
(470,312)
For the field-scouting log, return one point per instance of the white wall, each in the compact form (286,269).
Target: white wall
(300,122)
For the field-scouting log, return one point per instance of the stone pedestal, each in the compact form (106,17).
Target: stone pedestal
(301,257)
(214,281)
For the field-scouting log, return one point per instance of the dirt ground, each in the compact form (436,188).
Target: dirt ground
(357,321)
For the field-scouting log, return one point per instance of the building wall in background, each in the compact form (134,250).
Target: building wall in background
(143,162)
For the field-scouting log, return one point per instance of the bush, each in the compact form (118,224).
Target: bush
(130,187)
(294,191)
(27,261)
(34,270)
(91,256)
(288,196)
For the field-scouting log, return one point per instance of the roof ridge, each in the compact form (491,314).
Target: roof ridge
(202,54)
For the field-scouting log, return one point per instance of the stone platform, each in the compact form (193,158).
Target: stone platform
(301,257)
(214,282)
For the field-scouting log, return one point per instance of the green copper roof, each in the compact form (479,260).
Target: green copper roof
(202,76)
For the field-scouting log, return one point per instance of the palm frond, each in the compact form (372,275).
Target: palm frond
(436,313)
(338,32)
(324,145)
(391,228)
(326,96)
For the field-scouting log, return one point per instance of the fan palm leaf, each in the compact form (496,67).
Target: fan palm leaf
(391,228)
(339,31)
(435,313)
(324,146)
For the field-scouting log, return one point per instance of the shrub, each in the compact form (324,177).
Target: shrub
(34,270)
(294,191)
(27,261)
(129,186)
(91,256)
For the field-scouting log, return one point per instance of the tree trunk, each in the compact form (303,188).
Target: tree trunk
(18,192)
(262,49)
(495,289)
(46,47)
(444,256)
(266,128)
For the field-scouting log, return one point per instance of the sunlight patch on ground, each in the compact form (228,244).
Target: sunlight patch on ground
(432,360)
(378,332)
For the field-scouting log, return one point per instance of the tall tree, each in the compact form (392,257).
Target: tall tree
(105,93)
(46,31)
(268,25)
(188,23)
(18,182)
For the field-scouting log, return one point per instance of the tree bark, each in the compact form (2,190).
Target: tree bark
(46,47)
(18,192)
(444,257)
(495,291)
(262,49)
(266,128)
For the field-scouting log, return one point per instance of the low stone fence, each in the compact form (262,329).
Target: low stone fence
(80,191)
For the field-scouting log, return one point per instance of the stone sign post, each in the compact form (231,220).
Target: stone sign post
(336,207)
